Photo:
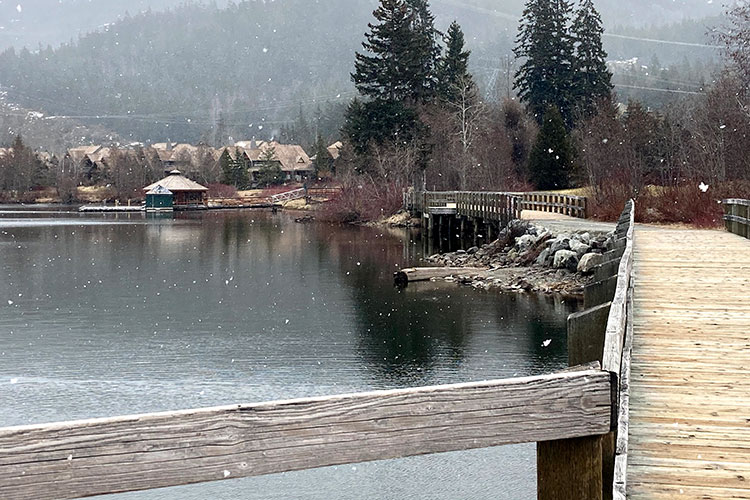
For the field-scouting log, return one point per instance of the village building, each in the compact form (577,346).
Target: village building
(89,161)
(186,194)
(335,150)
(291,158)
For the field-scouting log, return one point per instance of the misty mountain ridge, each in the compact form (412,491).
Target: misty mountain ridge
(201,72)
(42,22)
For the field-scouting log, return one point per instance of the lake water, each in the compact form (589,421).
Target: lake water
(104,315)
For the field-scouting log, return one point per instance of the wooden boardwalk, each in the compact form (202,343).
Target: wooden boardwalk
(690,371)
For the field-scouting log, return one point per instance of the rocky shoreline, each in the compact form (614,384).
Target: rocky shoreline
(530,258)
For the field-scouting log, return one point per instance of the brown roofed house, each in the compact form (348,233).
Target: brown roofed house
(187,193)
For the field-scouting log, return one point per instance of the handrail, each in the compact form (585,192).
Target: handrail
(294,194)
(737,216)
(92,457)
(618,344)
(487,204)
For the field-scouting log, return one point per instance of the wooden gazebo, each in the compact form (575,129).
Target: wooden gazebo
(186,193)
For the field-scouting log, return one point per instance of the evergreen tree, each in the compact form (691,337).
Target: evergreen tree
(380,121)
(225,163)
(592,79)
(453,68)
(546,76)
(425,50)
(551,159)
(270,171)
(240,178)
(403,52)
(322,157)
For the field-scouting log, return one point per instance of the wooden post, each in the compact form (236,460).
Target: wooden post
(569,469)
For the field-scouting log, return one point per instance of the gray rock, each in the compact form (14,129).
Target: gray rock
(579,248)
(472,250)
(543,257)
(585,238)
(524,242)
(562,242)
(589,262)
(566,259)
(512,255)
(460,252)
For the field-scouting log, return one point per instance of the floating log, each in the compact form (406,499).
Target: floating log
(413,274)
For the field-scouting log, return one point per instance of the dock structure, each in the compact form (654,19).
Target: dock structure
(690,370)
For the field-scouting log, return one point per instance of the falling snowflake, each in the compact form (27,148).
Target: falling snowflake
(546,343)
(703,187)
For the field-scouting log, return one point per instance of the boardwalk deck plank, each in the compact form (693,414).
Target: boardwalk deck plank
(690,388)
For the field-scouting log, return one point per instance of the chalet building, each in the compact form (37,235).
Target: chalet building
(291,158)
(186,194)
(89,161)
(335,150)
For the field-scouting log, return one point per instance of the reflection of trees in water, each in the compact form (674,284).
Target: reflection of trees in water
(398,335)
(411,331)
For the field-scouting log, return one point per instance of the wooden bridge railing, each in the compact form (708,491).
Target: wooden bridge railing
(603,332)
(737,216)
(92,457)
(495,205)
(574,206)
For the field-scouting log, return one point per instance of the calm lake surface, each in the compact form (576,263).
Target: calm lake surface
(104,315)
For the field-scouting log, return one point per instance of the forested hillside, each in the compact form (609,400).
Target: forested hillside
(213,72)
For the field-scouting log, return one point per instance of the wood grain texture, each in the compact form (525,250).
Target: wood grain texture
(86,458)
(689,428)
(615,335)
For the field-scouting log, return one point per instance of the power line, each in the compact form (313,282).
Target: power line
(656,40)
(653,89)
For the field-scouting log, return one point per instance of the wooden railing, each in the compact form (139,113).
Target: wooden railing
(495,205)
(618,346)
(111,455)
(574,206)
(603,332)
(501,207)
(737,216)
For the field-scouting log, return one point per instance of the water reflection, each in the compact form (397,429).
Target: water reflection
(117,314)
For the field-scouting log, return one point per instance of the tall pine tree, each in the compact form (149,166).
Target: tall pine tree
(397,73)
(544,41)
(592,80)
(401,53)
(425,49)
(453,68)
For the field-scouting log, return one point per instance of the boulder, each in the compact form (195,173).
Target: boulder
(523,243)
(472,250)
(543,257)
(589,262)
(562,242)
(584,238)
(579,248)
(566,259)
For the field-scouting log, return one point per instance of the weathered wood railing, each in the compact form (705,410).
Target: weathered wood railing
(737,216)
(495,205)
(603,332)
(502,207)
(93,457)
(564,204)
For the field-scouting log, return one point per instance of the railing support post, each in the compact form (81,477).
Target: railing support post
(570,469)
